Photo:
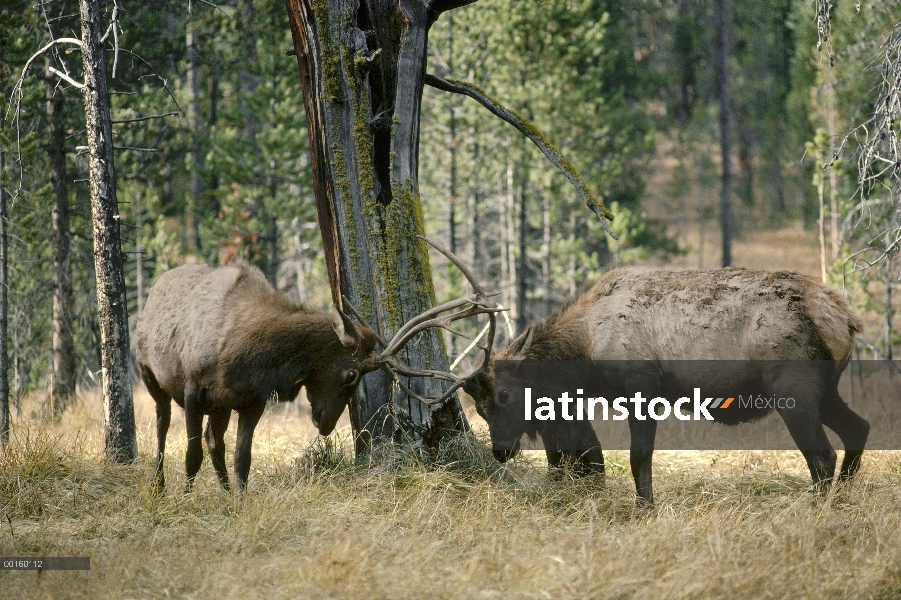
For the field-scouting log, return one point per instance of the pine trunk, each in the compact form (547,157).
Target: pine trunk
(112,309)
(725,147)
(4,315)
(192,216)
(362,66)
(62,388)
(833,174)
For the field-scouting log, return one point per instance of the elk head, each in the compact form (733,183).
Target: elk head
(333,383)
(490,401)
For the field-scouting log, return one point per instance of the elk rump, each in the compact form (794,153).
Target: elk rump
(218,340)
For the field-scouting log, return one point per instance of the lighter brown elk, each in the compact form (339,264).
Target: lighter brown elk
(632,314)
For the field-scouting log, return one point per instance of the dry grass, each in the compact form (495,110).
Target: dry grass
(315,525)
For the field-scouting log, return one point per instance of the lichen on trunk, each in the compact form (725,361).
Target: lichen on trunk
(362,66)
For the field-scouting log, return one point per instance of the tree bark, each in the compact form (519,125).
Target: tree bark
(833,174)
(452,146)
(139,251)
(724,16)
(196,165)
(112,308)
(62,387)
(4,315)
(362,66)
(546,252)
(522,281)
(888,316)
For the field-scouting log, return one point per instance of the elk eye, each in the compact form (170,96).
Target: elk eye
(351,377)
(503,396)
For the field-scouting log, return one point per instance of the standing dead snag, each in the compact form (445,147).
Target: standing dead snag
(362,68)
(112,310)
(62,387)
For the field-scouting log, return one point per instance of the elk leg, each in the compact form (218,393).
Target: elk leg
(588,459)
(163,417)
(590,455)
(807,431)
(215,442)
(247,422)
(641,453)
(194,426)
(850,427)
(592,461)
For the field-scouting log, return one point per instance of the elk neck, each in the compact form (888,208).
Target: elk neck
(280,347)
(562,336)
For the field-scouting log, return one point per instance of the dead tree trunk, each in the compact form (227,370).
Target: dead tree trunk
(4,315)
(193,84)
(452,146)
(725,25)
(522,265)
(62,388)
(362,65)
(112,310)
(139,252)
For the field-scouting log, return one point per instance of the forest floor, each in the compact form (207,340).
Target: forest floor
(314,525)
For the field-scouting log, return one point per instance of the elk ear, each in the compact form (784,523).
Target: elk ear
(520,345)
(346,329)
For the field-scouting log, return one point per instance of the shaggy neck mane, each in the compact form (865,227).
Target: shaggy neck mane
(559,337)
(270,332)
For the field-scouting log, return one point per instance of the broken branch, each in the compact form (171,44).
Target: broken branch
(533,133)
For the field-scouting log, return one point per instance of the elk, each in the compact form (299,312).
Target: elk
(736,314)
(218,340)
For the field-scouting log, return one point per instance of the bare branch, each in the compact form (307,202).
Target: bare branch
(65,77)
(434,8)
(147,118)
(114,23)
(533,133)
(135,149)
(216,7)
(155,74)
(17,89)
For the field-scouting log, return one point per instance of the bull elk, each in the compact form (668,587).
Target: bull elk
(735,314)
(218,340)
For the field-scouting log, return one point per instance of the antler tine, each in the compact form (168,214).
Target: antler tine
(362,321)
(451,257)
(475,286)
(427,400)
(400,367)
(415,325)
(403,336)
(477,302)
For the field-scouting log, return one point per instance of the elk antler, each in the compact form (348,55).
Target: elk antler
(475,303)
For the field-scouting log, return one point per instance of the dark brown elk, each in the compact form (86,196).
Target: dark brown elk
(735,314)
(218,340)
